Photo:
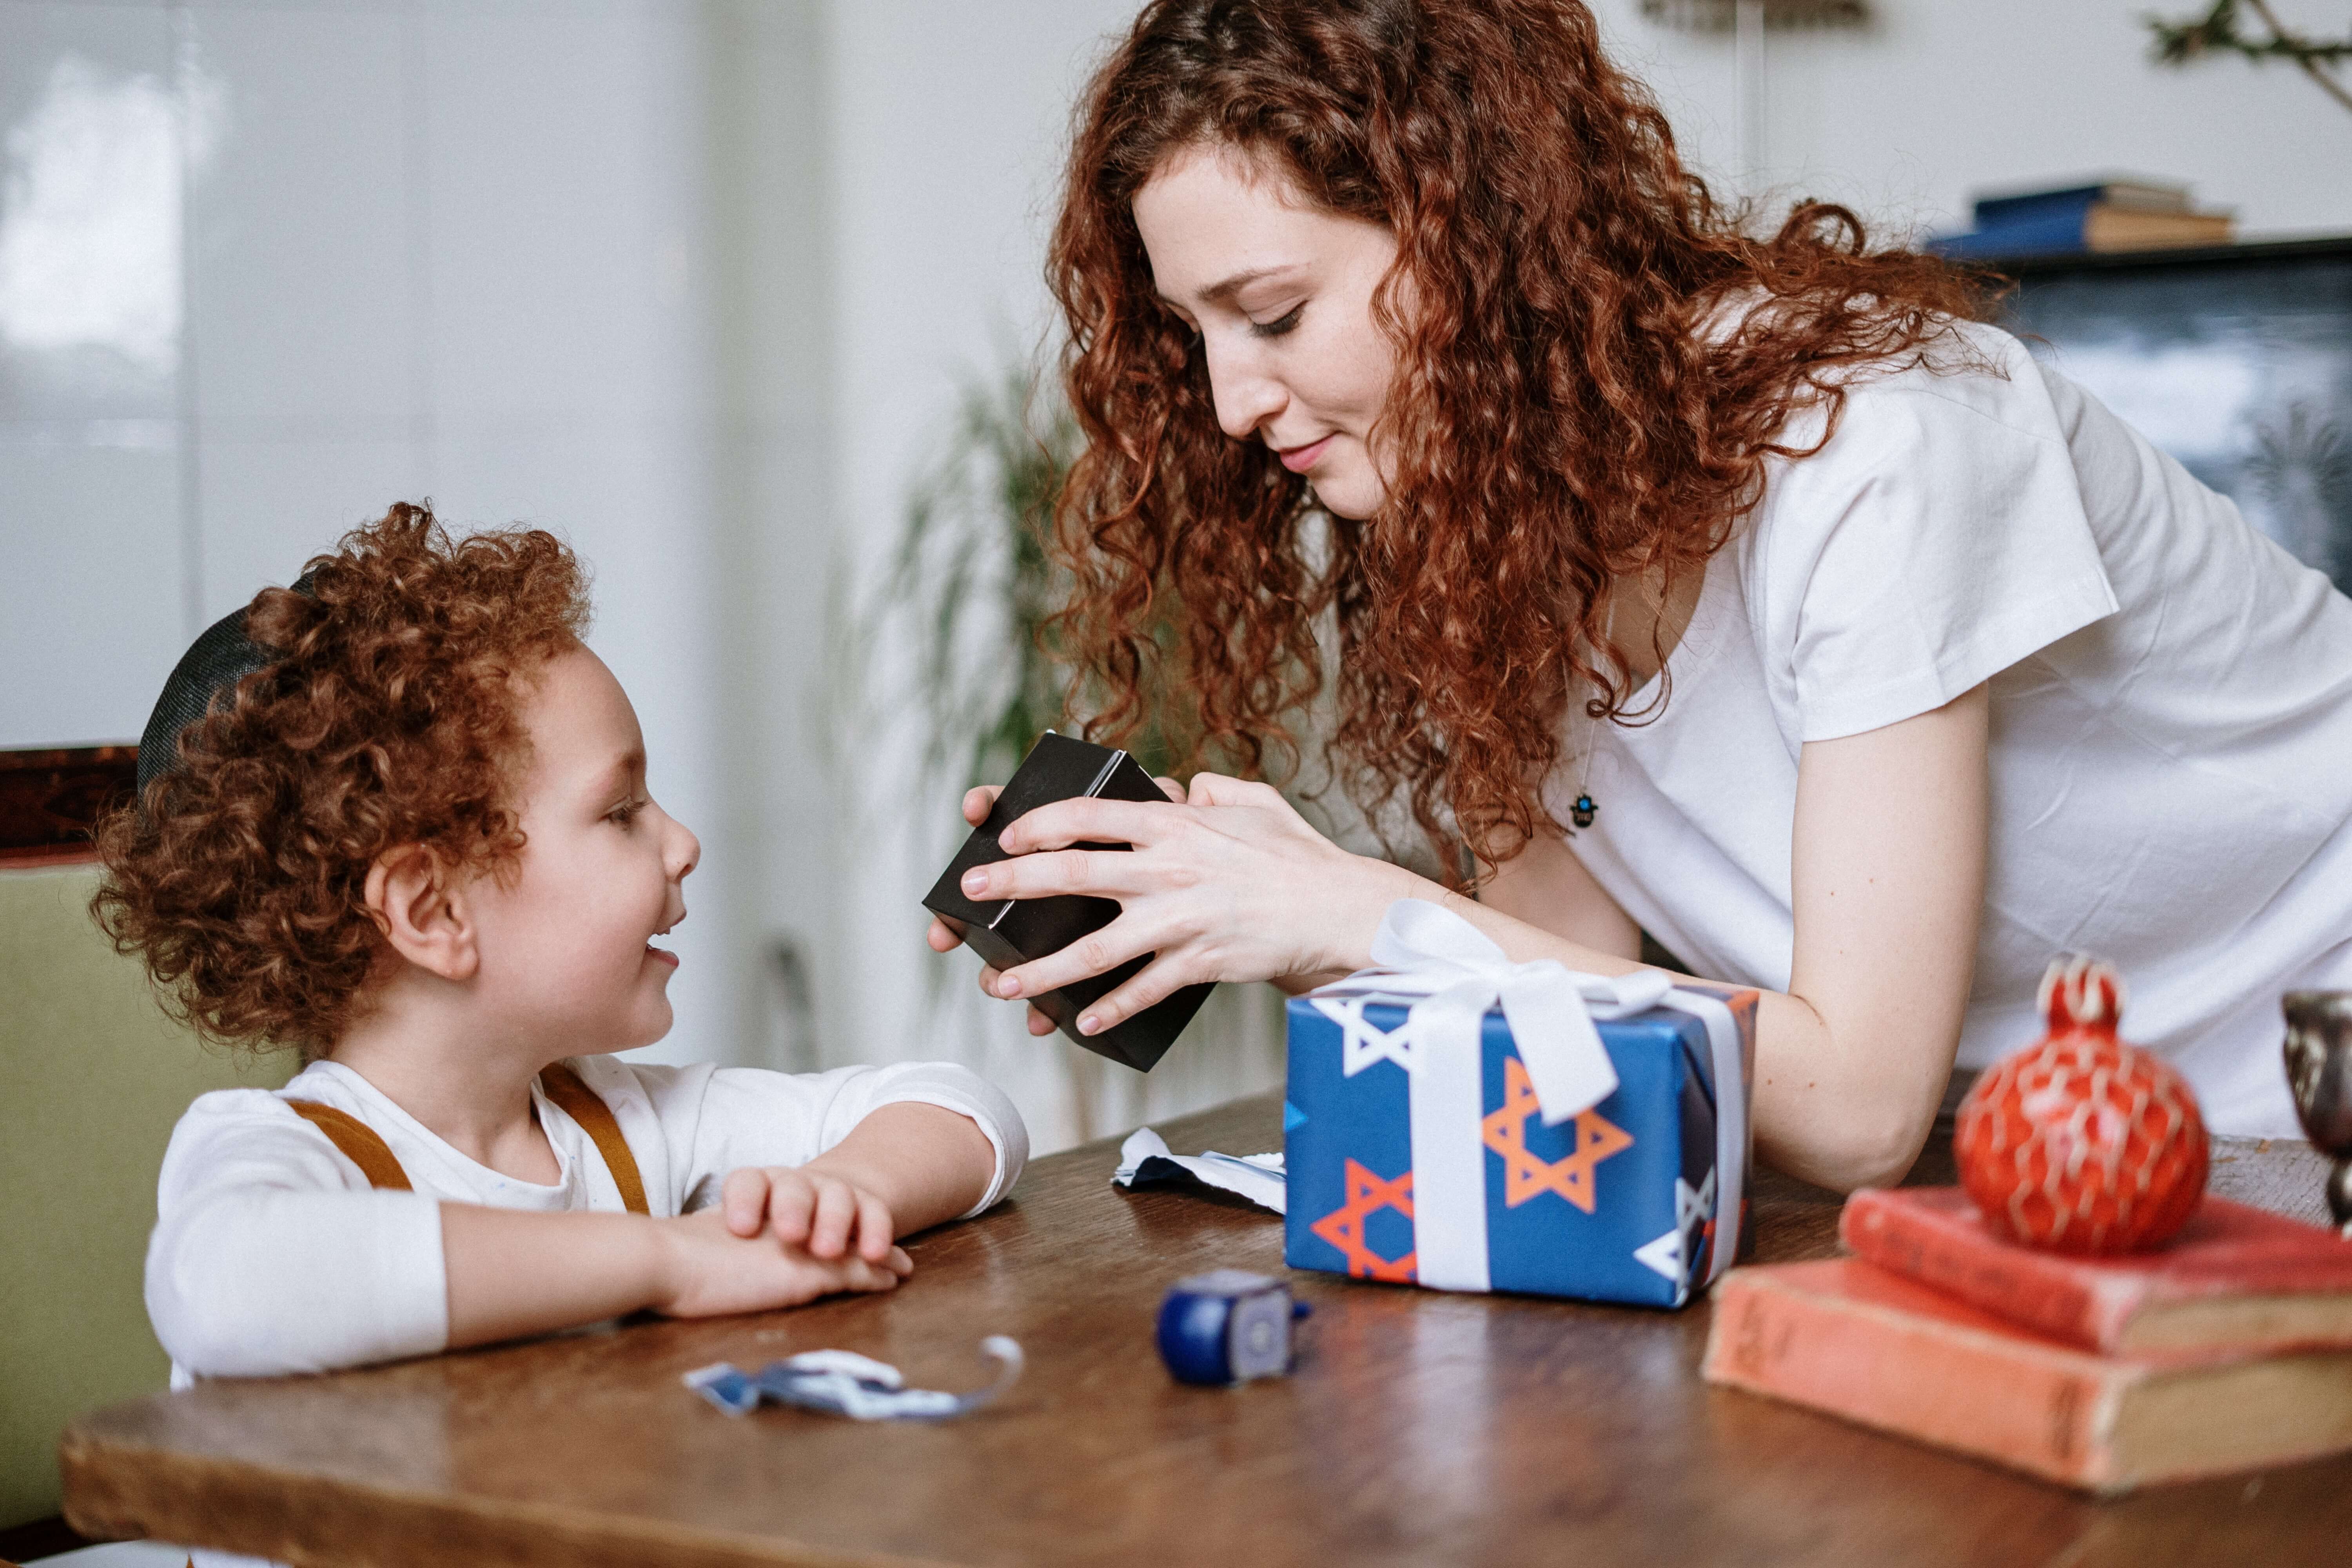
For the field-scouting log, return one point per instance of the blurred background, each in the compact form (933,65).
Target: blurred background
(704,284)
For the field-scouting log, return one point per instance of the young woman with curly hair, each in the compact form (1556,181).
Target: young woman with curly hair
(396,816)
(1749,591)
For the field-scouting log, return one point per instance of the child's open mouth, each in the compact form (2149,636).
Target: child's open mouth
(663,954)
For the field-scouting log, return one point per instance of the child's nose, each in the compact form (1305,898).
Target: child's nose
(684,852)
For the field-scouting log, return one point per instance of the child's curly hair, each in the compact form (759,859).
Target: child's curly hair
(387,715)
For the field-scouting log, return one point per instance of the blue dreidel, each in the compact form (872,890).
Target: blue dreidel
(1227,1327)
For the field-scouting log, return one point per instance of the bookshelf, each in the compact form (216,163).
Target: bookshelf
(2292,253)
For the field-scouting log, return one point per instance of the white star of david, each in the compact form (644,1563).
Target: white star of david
(1669,1254)
(1692,1207)
(1362,1043)
(1664,1254)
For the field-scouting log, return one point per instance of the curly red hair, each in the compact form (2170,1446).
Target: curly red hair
(389,715)
(1561,414)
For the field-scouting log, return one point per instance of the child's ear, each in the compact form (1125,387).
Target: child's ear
(417,904)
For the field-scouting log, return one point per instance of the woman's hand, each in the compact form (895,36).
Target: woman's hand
(946,936)
(1227,883)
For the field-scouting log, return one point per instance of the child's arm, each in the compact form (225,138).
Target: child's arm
(907,1166)
(852,1158)
(512,1273)
(266,1260)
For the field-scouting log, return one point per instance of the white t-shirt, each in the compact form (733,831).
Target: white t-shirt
(2171,717)
(271,1254)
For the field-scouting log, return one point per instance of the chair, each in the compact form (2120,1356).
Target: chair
(92,1077)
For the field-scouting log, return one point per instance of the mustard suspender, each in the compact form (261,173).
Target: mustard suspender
(584,1105)
(364,1147)
(359,1142)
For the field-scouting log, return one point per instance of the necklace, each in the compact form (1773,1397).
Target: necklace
(1581,813)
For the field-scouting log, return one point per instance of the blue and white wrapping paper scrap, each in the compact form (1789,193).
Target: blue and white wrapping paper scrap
(843,1382)
(1144,1161)
(1615,1111)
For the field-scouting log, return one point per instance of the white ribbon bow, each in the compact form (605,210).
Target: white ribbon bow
(1447,974)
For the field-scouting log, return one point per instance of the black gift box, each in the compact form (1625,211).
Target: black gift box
(1011,931)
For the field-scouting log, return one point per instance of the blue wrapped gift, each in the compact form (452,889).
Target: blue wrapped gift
(1459,1121)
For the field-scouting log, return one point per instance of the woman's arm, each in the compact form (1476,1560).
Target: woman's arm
(1887,866)
(1888,857)
(1548,887)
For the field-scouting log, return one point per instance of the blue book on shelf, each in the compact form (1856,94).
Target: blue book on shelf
(2076,202)
(2050,234)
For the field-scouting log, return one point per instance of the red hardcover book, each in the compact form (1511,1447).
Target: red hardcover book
(2235,1277)
(1850,1339)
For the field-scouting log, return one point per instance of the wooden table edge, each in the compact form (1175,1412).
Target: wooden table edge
(373,1520)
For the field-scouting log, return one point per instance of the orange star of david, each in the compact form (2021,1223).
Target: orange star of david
(1343,1227)
(1523,1175)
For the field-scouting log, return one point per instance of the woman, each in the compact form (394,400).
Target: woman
(1745,591)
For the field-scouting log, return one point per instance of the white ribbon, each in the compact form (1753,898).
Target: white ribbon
(1447,974)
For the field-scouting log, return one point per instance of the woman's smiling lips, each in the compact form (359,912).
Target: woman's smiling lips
(1298,459)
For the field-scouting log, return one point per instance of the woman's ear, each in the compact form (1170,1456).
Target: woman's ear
(416,902)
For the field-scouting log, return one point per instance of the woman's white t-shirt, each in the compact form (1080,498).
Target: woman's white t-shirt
(2172,716)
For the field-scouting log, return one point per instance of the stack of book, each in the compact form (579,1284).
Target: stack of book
(2112,214)
(2229,1349)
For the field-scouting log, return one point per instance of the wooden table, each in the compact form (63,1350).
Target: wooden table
(1419,1428)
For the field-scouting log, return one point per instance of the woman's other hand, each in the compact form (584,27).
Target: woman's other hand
(1226,882)
(946,936)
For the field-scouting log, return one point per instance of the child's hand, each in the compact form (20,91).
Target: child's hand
(709,1269)
(815,1210)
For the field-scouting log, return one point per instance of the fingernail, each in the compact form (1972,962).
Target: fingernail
(1009,986)
(1089,1024)
(974,880)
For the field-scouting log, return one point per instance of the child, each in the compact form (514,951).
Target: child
(396,818)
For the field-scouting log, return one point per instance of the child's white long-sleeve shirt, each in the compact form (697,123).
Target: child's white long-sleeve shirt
(271,1253)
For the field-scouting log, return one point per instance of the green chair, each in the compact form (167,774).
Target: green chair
(92,1077)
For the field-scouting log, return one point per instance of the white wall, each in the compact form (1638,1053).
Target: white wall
(772,475)
(1939,98)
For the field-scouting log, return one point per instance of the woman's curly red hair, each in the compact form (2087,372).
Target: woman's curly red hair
(1560,416)
(389,716)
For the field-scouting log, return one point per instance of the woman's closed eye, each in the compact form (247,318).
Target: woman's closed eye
(1279,326)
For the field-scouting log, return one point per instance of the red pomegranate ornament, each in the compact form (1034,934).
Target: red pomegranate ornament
(2083,1143)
